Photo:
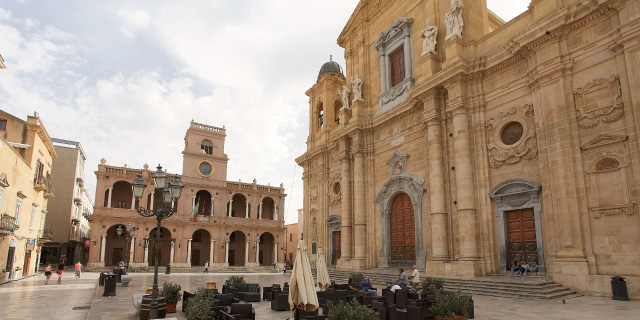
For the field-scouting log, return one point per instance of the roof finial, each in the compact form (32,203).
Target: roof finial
(330,57)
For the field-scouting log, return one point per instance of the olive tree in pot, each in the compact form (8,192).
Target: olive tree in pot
(171,293)
(451,306)
(200,306)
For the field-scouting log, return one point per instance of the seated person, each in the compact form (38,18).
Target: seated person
(531,269)
(403,280)
(350,286)
(515,266)
(365,286)
(395,286)
(523,268)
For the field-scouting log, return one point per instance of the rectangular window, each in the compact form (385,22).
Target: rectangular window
(397,66)
(122,204)
(33,218)
(38,176)
(290,237)
(313,248)
(290,256)
(3,125)
(18,207)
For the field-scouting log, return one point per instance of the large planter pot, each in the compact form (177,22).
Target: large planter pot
(171,307)
(454,318)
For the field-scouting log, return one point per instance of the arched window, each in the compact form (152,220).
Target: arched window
(320,117)
(336,112)
(206,147)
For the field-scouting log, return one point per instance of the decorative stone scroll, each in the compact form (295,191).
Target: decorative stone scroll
(599,101)
(335,194)
(511,136)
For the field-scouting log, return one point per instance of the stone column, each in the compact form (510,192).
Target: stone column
(246,254)
(103,247)
(132,250)
(226,252)
(133,203)
(146,251)
(153,192)
(211,208)
(260,211)
(275,254)
(383,73)
(359,215)
(193,204)
(213,245)
(173,252)
(345,241)
(277,213)
(230,206)
(246,209)
(407,55)
(464,184)
(257,252)
(439,228)
(189,252)
(110,194)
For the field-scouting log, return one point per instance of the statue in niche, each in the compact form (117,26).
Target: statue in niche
(453,19)
(356,84)
(314,229)
(345,96)
(429,43)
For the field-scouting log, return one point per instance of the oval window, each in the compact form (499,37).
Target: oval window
(511,133)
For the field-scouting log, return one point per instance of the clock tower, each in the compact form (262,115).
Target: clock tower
(203,154)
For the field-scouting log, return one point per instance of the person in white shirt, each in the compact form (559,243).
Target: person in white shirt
(206,267)
(395,286)
(414,278)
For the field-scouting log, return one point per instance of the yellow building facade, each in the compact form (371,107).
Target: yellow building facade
(26,154)
(461,143)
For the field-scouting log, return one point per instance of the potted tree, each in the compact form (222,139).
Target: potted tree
(171,293)
(351,310)
(451,306)
(201,306)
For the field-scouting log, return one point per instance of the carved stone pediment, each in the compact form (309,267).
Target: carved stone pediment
(603,139)
(398,28)
(334,223)
(515,192)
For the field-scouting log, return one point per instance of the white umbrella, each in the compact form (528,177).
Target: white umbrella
(302,293)
(322,273)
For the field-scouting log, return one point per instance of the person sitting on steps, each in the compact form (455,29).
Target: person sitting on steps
(515,266)
(531,269)
(523,268)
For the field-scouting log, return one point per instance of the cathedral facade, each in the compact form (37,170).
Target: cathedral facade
(461,143)
(225,223)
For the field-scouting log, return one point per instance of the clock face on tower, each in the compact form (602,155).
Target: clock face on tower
(205,168)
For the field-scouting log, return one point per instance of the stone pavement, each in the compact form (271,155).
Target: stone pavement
(31,299)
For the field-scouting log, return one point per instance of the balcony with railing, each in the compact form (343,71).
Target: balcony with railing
(48,193)
(253,186)
(46,235)
(8,224)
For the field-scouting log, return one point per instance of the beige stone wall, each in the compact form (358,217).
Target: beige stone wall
(563,70)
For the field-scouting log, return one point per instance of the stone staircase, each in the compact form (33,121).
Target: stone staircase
(520,287)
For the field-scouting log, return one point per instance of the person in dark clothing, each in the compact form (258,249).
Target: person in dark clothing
(59,271)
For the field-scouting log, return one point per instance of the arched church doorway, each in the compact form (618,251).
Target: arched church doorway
(402,225)
(237,243)
(200,246)
(164,247)
(266,254)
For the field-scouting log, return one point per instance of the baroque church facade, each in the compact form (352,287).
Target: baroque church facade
(227,223)
(461,143)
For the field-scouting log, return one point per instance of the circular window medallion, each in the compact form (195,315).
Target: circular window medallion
(511,133)
(336,188)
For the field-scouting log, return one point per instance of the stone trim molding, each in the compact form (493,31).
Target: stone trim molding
(400,181)
(516,194)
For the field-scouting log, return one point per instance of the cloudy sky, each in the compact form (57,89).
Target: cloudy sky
(124,78)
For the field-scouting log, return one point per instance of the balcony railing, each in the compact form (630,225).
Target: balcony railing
(8,224)
(250,186)
(46,235)
(77,200)
(48,193)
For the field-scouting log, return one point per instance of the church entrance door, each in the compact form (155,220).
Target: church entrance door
(402,225)
(521,236)
(336,247)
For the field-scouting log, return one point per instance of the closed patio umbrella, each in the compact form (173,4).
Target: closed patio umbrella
(321,272)
(302,293)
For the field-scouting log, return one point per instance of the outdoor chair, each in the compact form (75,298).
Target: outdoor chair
(302,314)
(185,298)
(390,298)
(266,293)
(279,300)
(245,310)
(226,299)
(413,295)
(233,291)
(401,300)
(252,297)
(470,311)
(317,317)
(226,316)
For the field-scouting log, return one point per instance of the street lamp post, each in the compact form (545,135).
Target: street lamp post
(170,192)
(129,236)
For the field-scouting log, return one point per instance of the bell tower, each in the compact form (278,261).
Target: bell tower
(325,100)
(203,154)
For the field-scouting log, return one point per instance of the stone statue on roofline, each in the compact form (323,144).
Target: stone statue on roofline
(357,88)
(453,19)
(429,43)
(345,96)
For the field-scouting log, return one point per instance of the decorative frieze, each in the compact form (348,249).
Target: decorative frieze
(511,136)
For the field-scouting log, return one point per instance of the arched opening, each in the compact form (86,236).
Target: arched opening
(164,247)
(402,225)
(203,203)
(237,244)
(320,116)
(266,254)
(200,247)
(334,223)
(239,206)
(116,246)
(121,195)
(206,147)
(336,112)
(268,208)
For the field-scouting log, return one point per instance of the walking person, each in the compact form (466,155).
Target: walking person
(206,267)
(47,273)
(78,267)
(59,271)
